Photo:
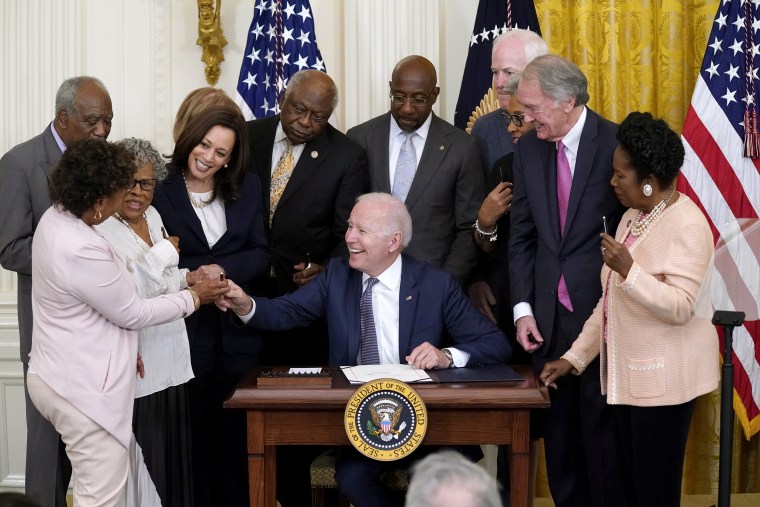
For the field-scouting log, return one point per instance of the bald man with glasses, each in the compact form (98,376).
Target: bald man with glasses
(432,166)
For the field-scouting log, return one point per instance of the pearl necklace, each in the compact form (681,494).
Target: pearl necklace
(138,239)
(195,202)
(644,220)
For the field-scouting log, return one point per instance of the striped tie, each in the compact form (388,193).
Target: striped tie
(369,352)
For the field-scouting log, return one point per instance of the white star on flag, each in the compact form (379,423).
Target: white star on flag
(283,32)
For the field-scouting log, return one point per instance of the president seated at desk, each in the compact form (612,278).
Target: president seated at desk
(407,316)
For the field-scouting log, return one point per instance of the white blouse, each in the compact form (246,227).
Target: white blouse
(164,348)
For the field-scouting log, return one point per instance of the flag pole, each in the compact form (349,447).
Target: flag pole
(729,320)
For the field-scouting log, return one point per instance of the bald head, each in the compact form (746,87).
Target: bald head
(308,102)
(413,91)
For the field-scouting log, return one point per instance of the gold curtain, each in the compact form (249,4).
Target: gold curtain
(643,55)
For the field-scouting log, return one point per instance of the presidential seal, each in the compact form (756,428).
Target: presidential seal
(385,419)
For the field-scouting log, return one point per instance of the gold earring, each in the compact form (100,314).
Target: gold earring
(98,215)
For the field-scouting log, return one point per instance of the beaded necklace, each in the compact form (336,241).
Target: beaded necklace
(195,202)
(138,239)
(644,220)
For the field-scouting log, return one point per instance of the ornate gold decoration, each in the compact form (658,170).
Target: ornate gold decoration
(211,37)
(488,104)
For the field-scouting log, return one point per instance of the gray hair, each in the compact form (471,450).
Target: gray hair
(560,79)
(512,83)
(532,43)
(396,217)
(66,96)
(446,471)
(296,79)
(145,153)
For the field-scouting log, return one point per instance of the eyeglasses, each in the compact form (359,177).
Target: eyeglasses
(517,119)
(147,184)
(400,100)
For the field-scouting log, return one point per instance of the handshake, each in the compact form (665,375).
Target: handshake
(211,284)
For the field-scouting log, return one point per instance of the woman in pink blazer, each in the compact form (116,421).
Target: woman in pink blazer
(656,355)
(86,316)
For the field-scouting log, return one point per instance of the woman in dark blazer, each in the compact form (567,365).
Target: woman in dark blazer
(213,204)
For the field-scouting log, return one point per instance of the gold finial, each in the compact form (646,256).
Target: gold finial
(211,37)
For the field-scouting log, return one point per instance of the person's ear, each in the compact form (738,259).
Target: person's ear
(395,242)
(62,118)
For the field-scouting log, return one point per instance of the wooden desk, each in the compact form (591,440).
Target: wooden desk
(472,413)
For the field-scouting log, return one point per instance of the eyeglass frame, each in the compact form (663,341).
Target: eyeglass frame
(414,101)
(518,119)
(142,184)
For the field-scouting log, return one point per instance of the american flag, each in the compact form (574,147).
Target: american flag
(493,18)
(719,133)
(281,41)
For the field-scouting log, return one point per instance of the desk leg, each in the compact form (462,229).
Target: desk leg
(258,487)
(520,459)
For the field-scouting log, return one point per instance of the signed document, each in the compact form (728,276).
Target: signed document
(369,372)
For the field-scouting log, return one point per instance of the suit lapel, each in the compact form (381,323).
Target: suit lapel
(353,324)
(436,148)
(176,194)
(407,306)
(314,154)
(583,165)
(377,154)
(261,139)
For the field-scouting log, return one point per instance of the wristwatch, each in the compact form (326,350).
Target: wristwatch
(447,353)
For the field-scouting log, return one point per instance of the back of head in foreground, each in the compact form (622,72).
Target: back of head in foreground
(448,479)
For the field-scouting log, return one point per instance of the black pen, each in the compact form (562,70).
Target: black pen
(163,232)
(308,260)
(604,224)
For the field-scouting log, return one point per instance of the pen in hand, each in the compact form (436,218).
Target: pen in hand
(163,232)
(308,261)
(604,225)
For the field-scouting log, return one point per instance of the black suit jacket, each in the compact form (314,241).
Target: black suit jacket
(242,251)
(538,253)
(312,214)
(432,307)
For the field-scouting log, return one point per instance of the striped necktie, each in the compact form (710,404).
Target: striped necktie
(369,352)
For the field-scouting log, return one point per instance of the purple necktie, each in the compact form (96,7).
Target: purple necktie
(369,353)
(564,182)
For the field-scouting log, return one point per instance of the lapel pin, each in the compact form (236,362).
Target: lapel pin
(441,148)
(314,154)
(408,298)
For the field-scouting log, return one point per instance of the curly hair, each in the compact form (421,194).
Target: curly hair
(653,147)
(226,181)
(90,170)
(145,153)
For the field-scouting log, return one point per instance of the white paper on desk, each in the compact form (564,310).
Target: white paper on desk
(369,372)
(301,371)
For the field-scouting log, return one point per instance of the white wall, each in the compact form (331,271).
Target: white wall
(145,52)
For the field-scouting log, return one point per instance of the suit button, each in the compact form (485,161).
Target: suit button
(554,292)
(563,259)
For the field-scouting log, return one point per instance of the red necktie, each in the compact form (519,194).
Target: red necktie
(564,182)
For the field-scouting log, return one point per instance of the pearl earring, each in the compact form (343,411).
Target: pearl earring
(647,190)
(226,166)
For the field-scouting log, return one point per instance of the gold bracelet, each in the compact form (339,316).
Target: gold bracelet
(196,299)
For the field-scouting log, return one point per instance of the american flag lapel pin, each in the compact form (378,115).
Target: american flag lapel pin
(408,298)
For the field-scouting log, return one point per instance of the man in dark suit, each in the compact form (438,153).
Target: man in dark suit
(83,110)
(420,307)
(432,166)
(307,222)
(562,171)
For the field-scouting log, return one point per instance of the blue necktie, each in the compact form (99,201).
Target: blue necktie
(406,166)
(369,353)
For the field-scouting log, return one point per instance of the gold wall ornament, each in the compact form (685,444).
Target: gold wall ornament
(211,37)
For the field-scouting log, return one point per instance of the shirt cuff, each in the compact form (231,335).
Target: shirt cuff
(248,316)
(522,310)
(460,357)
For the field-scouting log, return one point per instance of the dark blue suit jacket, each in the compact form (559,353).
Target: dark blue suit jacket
(432,306)
(242,251)
(538,253)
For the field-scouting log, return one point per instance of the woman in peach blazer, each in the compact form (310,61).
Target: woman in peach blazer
(86,315)
(656,355)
